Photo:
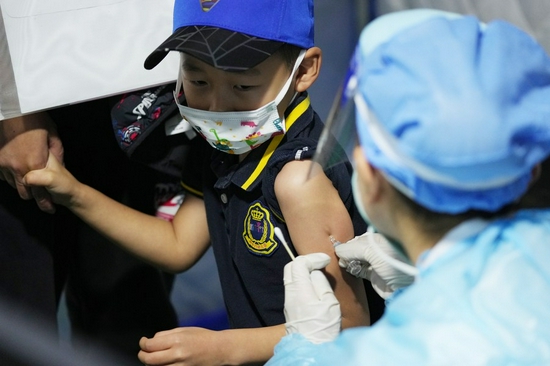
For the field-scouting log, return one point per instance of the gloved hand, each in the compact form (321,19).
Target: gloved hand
(369,249)
(310,305)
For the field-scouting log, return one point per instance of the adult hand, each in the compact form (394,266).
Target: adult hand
(372,251)
(310,305)
(25,144)
(181,346)
(59,183)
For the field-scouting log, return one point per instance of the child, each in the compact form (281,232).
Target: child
(443,164)
(245,70)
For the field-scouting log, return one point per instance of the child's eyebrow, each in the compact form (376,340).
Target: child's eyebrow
(249,72)
(192,67)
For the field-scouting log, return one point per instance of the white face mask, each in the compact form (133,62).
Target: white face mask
(239,132)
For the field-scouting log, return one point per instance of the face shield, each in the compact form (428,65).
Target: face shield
(337,142)
(451,136)
(339,137)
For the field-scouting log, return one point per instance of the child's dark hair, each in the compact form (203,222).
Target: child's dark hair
(289,53)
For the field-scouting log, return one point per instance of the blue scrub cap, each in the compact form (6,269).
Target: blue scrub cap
(454,112)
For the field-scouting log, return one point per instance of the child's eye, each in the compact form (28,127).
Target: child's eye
(198,82)
(243,87)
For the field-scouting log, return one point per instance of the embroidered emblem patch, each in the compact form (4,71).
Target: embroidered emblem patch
(258,231)
(207,5)
(130,133)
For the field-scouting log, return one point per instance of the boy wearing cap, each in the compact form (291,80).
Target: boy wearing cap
(443,165)
(245,70)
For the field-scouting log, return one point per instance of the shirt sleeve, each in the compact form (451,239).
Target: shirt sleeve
(9,101)
(299,149)
(304,149)
(196,166)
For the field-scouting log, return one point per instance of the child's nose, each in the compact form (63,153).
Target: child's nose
(219,102)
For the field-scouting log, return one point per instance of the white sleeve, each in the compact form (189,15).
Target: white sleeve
(9,102)
(67,52)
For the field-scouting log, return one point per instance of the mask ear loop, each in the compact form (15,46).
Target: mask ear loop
(184,125)
(397,264)
(284,90)
(178,81)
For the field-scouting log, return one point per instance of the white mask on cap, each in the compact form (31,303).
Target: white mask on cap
(239,132)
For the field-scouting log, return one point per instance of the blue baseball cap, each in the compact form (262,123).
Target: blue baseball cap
(236,34)
(455,113)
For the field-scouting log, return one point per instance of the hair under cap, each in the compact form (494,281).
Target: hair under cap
(458,111)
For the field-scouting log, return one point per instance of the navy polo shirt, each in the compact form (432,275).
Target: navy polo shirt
(242,212)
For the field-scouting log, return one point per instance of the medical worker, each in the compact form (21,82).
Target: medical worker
(452,117)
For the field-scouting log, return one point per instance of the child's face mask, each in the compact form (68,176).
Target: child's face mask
(239,132)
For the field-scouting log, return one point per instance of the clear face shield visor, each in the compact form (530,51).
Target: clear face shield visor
(339,136)
(336,145)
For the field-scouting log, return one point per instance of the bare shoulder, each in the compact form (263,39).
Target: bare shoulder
(312,208)
(294,183)
(296,188)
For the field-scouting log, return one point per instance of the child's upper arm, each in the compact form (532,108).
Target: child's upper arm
(313,211)
(191,230)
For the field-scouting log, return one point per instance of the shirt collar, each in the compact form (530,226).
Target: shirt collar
(297,116)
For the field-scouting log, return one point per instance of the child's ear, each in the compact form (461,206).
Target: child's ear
(308,71)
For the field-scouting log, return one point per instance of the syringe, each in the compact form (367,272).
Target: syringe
(354,267)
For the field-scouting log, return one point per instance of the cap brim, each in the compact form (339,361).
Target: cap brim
(218,47)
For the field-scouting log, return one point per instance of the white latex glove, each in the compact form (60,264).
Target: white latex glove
(310,305)
(385,274)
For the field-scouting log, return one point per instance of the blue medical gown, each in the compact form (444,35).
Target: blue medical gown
(484,301)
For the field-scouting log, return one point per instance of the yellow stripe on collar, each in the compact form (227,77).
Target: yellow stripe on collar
(292,117)
(193,191)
